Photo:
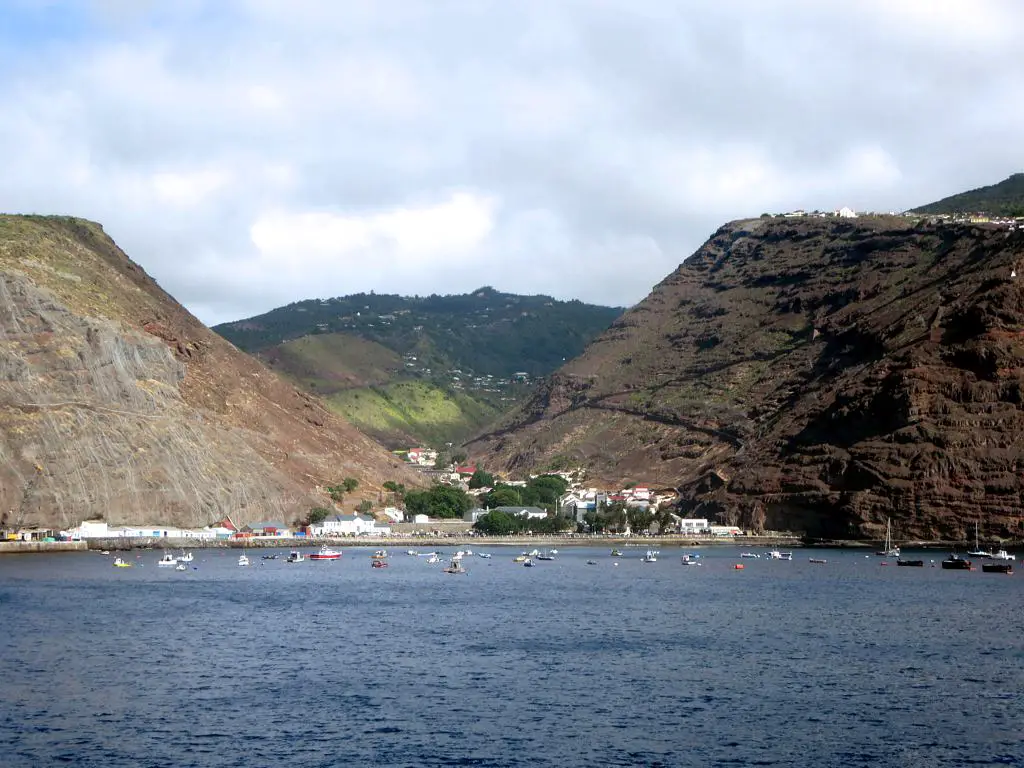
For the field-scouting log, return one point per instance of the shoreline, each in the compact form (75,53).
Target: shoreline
(453,540)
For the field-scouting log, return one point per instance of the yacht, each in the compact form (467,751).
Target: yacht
(889,550)
(1002,554)
(978,551)
(243,559)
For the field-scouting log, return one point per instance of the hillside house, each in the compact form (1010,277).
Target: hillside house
(350,525)
(268,529)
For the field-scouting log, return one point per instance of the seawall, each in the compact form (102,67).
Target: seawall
(31,547)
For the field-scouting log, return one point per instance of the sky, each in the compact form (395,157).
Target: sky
(252,153)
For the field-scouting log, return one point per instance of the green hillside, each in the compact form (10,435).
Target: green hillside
(431,369)
(404,413)
(1003,199)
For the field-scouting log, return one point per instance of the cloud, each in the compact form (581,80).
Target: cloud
(250,153)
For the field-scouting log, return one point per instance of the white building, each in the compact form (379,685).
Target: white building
(394,514)
(350,525)
(693,525)
(846,213)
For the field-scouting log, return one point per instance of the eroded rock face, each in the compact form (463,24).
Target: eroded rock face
(115,401)
(835,372)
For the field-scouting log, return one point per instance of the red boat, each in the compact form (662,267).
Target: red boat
(326,553)
(379,564)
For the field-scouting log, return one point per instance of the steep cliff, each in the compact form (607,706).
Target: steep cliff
(115,401)
(810,374)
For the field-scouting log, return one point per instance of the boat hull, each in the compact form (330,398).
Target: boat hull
(911,563)
(997,568)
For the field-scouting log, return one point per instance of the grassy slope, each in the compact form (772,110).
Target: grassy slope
(329,362)
(405,412)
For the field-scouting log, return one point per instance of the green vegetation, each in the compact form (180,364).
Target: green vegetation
(1003,199)
(499,523)
(412,411)
(317,515)
(442,501)
(487,332)
(542,491)
(481,479)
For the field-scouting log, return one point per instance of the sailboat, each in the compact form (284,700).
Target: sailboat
(978,551)
(890,550)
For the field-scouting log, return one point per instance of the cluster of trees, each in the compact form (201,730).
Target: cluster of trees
(337,492)
(614,518)
(498,523)
(543,491)
(441,501)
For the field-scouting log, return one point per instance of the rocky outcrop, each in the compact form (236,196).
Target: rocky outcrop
(116,402)
(808,374)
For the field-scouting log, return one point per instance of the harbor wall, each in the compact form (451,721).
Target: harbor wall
(31,547)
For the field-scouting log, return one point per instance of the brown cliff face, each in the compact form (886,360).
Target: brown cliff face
(115,401)
(809,374)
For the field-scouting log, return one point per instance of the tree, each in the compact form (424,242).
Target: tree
(317,515)
(439,501)
(336,492)
(639,519)
(350,484)
(396,488)
(459,458)
(481,479)
(502,496)
(364,506)
(496,523)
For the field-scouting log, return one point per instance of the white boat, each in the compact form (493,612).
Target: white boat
(380,554)
(294,557)
(485,555)
(119,563)
(1002,554)
(888,550)
(749,554)
(468,551)
(412,552)
(433,558)
(243,559)
(553,551)
(185,557)
(650,557)
(528,562)
(167,561)
(545,556)
(776,555)
(978,551)
(690,560)
(533,553)
(181,567)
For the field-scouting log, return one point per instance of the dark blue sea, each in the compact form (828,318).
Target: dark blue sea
(564,664)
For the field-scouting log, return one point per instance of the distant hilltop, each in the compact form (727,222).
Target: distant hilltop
(1005,199)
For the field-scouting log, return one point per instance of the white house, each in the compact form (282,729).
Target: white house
(846,213)
(350,525)
(421,519)
(693,525)
(394,514)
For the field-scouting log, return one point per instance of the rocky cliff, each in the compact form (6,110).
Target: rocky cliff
(116,402)
(811,374)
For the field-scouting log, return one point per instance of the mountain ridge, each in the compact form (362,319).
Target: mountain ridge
(809,374)
(115,401)
(1003,199)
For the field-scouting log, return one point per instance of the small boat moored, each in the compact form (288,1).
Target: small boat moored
(650,557)
(817,560)
(294,557)
(956,563)
(243,560)
(379,563)
(119,563)
(326,553)
(1006,568)
(911,563)
(167,561)
(455,566)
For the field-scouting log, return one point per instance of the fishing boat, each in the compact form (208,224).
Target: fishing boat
(433,558)
(777,555)
(119,563)
(956,563)
(454,566)
(380,554)
(326,553)
(484,555)
(911,563)
(650,557)
(889,550)
(816,560)
(294,557)
(167,561)
(545,556)
(379,563)
(528,562)
(690,560)
(185,557)
(749,554)
(978,551)
(243,560)
(997,568)
(1002,554)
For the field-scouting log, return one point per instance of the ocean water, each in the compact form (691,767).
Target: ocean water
(563,664)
